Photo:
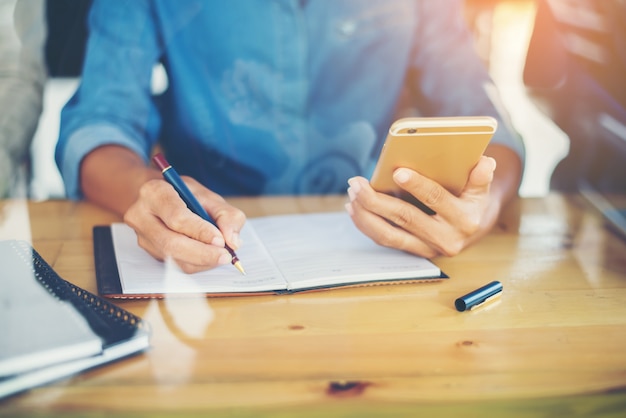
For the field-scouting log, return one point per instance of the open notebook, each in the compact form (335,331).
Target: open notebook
(281,254)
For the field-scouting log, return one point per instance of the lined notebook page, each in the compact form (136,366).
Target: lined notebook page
(140,273)
(323,249)
(278,252)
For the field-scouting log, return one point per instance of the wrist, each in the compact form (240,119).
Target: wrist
(112,175)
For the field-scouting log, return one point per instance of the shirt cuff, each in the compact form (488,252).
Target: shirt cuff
(85,140)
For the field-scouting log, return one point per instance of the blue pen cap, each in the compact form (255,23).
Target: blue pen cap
(478,296)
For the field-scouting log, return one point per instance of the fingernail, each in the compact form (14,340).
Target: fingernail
(236,240)
(401,175)
(349,208)
(351,193)
(218,241)
(224,259)
(354,185)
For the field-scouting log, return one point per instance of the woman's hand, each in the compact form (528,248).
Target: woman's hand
(166,228)
(116,178)
(458,222)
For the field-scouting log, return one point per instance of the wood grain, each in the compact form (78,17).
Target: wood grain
(554,342)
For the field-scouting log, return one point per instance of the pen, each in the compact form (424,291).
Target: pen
(172,177)
(479,296)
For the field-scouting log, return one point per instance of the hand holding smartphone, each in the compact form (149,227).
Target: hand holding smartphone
(444,149)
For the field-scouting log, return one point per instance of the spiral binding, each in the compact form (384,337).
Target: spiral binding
(82,299)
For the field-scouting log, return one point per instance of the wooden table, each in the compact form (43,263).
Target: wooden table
(555,344)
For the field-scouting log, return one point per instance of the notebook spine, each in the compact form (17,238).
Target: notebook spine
(99,312)
(107,308)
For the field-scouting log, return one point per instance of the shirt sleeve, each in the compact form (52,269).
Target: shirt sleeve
(113,103)
(448,76)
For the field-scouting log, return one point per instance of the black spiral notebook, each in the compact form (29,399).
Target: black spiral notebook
(52,329)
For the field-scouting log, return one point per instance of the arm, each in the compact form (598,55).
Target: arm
(111,177)
(116,178)
(108,130)
(451,81)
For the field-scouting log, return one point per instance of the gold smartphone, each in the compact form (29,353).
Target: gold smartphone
(444,149)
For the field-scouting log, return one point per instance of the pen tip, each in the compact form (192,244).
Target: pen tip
(239,267)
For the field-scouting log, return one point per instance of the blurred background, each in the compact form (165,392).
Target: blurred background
(540,53)
(503,30)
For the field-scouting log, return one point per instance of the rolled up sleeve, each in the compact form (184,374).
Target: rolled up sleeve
(113,103)
(82,142)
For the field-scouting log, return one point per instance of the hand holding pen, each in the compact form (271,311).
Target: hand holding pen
(172,177)
(167,229)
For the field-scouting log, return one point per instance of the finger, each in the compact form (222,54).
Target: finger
(154,218)
(437,232)
(229,219)
(189,254)
(172,210)
(389,221)
(427,191)
(481,176)
(162,242)
(383,233)
(449,209)
(400,213)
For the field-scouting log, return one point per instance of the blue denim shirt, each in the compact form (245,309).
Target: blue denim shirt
(269,97)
